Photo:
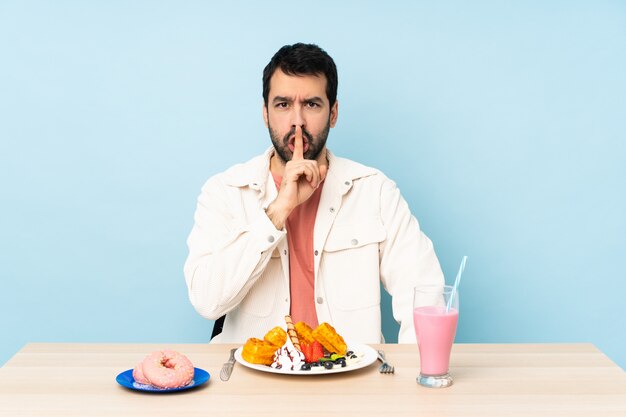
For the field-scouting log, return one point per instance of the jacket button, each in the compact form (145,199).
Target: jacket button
(347,182)
(316,253)
(354,242)
(320,300)
(332,209)
(285,251)
(270,239)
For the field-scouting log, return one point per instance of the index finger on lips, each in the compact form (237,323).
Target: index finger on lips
(298,145)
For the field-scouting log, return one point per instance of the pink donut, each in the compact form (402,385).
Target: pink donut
(138,375)
(167,369)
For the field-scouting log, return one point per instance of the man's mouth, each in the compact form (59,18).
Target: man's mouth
(292,146)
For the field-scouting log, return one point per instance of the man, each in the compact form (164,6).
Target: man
(300,231)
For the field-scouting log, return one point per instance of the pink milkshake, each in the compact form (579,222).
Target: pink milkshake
(435,330)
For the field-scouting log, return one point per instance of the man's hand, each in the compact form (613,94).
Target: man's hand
(300,179)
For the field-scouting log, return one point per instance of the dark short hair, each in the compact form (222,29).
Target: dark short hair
(302,59)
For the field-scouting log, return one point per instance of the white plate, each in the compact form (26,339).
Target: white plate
(369,357)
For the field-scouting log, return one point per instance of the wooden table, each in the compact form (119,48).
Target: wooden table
(490,380)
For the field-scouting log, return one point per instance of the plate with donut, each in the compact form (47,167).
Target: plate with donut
(301,350)
(163,371)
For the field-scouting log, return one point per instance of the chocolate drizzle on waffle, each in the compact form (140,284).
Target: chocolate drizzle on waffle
(291,332)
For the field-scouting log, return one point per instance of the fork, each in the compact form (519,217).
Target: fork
(385,368)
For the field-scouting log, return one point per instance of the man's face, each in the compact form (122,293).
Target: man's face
(298,101)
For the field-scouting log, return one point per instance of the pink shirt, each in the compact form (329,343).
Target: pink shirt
(300,225)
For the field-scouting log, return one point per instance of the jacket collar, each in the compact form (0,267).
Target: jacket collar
(255,172)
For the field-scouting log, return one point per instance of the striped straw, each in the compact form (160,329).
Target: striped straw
(456,283)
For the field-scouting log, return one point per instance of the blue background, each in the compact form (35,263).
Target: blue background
(503,123)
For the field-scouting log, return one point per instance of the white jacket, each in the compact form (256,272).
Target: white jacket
(238,261)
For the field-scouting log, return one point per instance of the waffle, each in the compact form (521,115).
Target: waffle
(258,351)
(305,333)
(276,337)
(330,339)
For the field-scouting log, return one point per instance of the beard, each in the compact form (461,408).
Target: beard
(316,143)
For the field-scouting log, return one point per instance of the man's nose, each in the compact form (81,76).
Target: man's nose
(297,117)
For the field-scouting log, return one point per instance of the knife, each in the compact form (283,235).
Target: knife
(227,368)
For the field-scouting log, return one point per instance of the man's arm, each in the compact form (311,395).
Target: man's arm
(407,258)
(227,252)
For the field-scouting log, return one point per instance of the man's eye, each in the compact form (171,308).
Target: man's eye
(281,105)
(312,104)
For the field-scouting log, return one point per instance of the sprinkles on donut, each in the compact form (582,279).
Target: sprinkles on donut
(164,369)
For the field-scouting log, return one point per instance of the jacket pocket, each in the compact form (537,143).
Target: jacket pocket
(345,236)
(350,264)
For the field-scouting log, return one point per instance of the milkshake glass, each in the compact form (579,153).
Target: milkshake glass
(435,327)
